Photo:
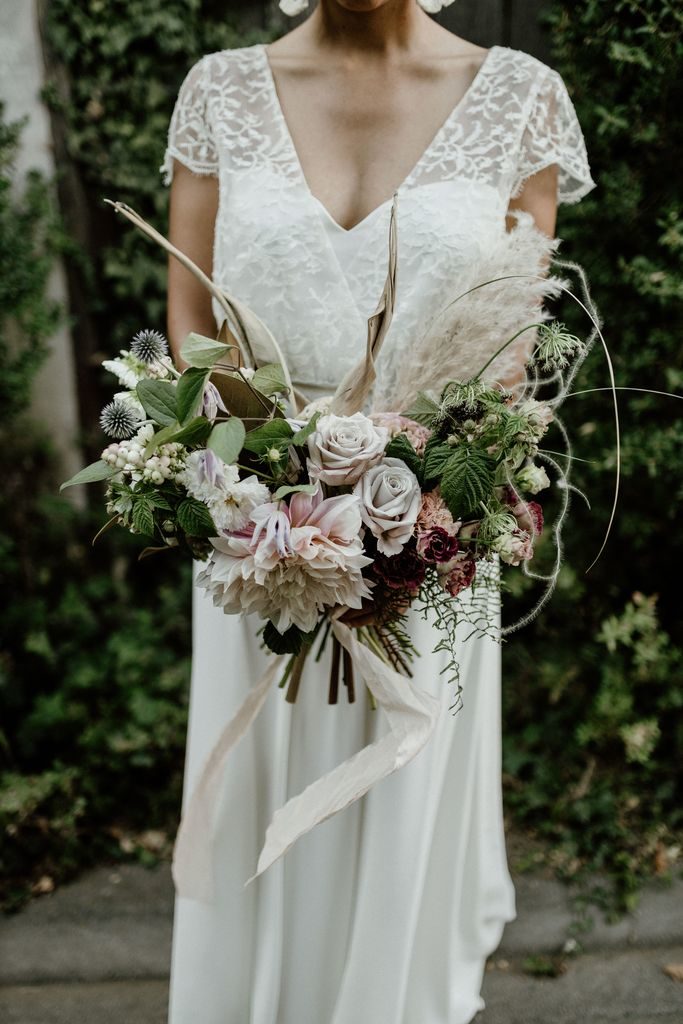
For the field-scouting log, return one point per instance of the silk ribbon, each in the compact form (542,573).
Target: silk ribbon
(411,715)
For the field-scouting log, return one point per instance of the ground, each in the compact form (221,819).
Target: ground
(98,951)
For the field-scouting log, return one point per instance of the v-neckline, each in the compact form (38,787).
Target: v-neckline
(441,131)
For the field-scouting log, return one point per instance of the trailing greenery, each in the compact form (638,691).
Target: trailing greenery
(592,694)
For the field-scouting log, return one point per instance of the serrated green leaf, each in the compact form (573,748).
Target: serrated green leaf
(436,456)
(269,379)
(195,519)
(91,474)
(283,491)
(159,501)
(300,436)
(466,481)
(200,351)
(400,447)
(273,434)
(226,439)
(423,409)
(190,392)
(158,398)
(142,516)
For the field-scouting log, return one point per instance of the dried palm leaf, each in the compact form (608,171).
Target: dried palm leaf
(352,393)
(462,336)
(246,328)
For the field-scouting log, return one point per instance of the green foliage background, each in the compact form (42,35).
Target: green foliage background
(95,651)
(601,667)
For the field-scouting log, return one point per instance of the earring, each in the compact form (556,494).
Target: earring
(293,7)
(434,6)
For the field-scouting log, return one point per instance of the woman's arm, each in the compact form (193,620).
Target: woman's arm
(539,198)
(192,216)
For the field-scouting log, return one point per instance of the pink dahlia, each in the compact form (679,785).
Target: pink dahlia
(296,561)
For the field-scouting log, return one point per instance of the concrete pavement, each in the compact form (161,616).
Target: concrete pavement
(98,951)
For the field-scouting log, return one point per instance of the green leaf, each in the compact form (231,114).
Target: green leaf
(300,436)
(273,434)
(283,491)
(194,432)
(226,439)
(158,398)
(161,437)
(190,392)
(467,480)
(269,379)
(289,642)
(195,519)
(90,474)
(436,456)
(401,448)
(143,516)
(198,350)
(423,410)
(159,501)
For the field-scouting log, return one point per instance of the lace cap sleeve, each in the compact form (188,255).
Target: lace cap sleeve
(190,138)
(553,135)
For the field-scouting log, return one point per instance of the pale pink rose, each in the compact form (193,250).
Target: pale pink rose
(434,512)
(397,424)
(514,547)
(390,501)
(343,447)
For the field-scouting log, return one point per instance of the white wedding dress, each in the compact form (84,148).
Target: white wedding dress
(385,913)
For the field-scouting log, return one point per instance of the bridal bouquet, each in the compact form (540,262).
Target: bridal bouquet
(299,516)
(309,515)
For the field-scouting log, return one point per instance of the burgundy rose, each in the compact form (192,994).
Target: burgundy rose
(437,545)
(404,571)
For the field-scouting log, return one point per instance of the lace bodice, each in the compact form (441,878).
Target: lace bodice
(274,242)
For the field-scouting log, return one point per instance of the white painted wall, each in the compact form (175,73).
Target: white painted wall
(21,79)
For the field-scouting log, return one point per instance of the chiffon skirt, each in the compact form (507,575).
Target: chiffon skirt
(383,914)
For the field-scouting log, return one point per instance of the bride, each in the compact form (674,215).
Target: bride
(283,160)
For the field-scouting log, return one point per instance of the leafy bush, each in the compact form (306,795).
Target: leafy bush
(93,675)
(604,692)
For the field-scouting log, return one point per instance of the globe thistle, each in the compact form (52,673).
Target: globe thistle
(119,419)
(149,346)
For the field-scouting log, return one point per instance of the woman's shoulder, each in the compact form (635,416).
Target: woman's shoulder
(521,67)
(523,63)
(218,63)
